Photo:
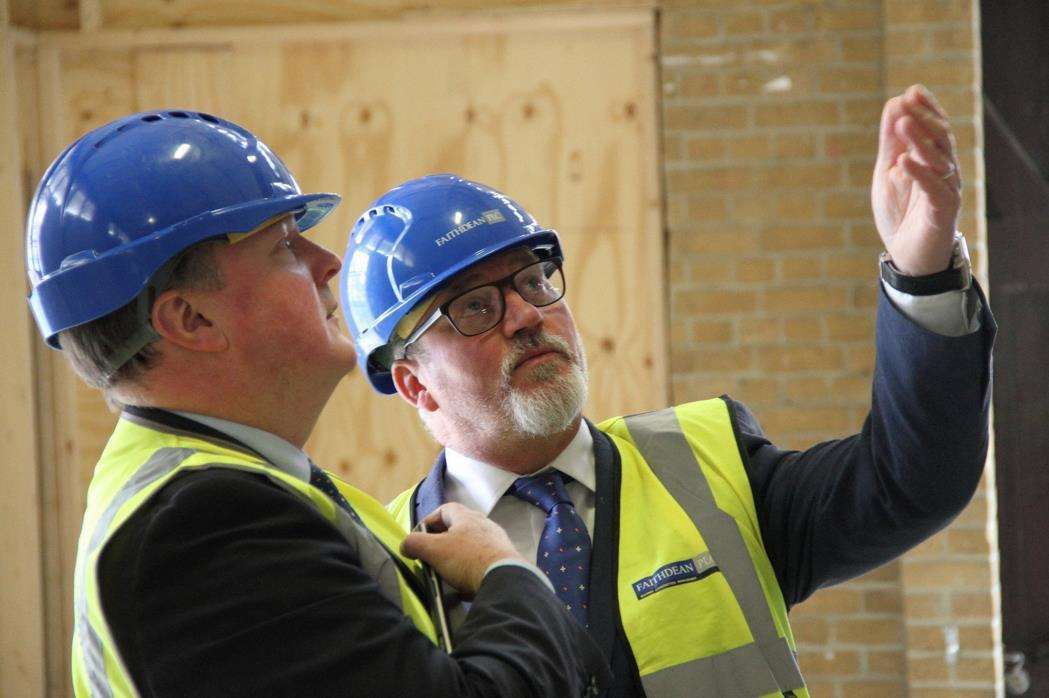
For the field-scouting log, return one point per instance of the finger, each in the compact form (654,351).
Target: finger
(415,545)
(926,97)
(923,148)
(889,145)
(940,191)
(931,126)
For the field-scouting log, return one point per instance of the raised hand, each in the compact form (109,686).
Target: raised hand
(916,189)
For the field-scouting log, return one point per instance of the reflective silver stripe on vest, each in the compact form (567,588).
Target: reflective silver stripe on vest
(766,666)
(163,461)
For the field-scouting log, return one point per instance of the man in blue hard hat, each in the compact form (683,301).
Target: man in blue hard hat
(167,261)
(681,537)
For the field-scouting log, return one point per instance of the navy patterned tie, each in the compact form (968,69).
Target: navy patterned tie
(564,550)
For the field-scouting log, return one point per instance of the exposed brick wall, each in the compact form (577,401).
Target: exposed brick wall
(770,129)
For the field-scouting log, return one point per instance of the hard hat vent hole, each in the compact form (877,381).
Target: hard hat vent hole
(178,114)
(207,117)
(387,209)
(151,118)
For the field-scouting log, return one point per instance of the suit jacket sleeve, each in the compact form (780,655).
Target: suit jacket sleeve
(844,507)
(224,584)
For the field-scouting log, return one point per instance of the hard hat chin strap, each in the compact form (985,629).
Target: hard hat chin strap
(144,334)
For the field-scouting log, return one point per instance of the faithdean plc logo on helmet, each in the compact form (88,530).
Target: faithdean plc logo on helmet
(486,217)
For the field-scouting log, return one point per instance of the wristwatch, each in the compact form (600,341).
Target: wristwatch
(956,277)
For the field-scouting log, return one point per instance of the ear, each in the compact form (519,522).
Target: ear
(405,374)
(179,318)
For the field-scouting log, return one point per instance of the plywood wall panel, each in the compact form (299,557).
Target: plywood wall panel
(22,671)
(524,108)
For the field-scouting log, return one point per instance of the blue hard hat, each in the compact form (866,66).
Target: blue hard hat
(126,198)
(410,242)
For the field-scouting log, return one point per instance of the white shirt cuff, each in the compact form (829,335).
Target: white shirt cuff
(943,313)
(511,562)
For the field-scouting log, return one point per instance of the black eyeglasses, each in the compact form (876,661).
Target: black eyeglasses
(479,309)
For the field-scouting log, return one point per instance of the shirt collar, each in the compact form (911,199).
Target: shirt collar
(274,449)
(486,484)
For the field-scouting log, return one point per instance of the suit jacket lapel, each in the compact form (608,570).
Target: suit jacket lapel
(430,492)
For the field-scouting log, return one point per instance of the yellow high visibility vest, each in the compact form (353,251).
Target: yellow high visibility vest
(698,598)
(139,459)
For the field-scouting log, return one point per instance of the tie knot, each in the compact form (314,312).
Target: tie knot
(545,490)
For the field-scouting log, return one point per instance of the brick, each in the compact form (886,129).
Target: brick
(710,179)
(680,334)
(923,692)
(751,207)
(799,206)
(709,331)
(968,542)
(861,49)
(852,389)
(808,391)
(972,605)
(851,327)
(859,359)
(759,330)
(918,605)
(709,360)
(864,111)
(807,268)
(792,20)
(688,388)
(888,663)
(847,205)
(869,631)
(757,391)
(882,601)
(704,208)
(799,358)
(865,297)
(931,549)
(859,266)
(749,147)
(706,117)
(927,669)
(794,145)
(805,419)
(804,299)
(677,211)
(714,302)
(705,148)
(703,242)
(801,175)
(975,669)
(862,143)
(807,237)
(755,270)
(858,79)
(834,600)
(803,329)
(698,85)
(811,631)
(908,11)
(710,269)
(810,113)
(847,17)
(957,38)
(946,575)
(979,637)
(906,41)
(741,23)
(691,26)
(925,638)
(858,174)
(933,72)
(829,663)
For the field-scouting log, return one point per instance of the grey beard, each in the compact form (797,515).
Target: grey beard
(551,407)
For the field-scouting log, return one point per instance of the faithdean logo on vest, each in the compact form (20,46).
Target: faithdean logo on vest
(675,573)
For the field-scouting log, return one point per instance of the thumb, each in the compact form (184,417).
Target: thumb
(416,545)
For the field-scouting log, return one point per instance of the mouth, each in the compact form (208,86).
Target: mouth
(537,356)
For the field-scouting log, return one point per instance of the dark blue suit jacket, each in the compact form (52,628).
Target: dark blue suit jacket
(840,508)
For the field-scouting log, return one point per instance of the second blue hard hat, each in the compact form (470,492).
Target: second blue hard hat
(414,239)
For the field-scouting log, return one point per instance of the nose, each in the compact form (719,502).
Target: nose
(519,314)
(324,263)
